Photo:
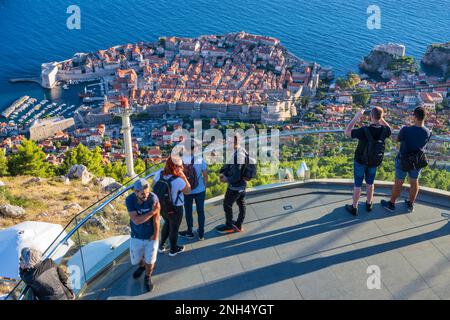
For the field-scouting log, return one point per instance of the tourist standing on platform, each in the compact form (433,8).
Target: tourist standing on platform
(45,278)
(368,154)
(196,171)
(236,175)
(143,208)
(170,185)
(410,160)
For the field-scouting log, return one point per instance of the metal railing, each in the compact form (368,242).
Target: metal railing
(63,238)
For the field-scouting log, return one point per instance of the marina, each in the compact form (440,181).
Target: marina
(28,111)
(62,100)
(16,104)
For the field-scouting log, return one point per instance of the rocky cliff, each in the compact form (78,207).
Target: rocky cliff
(386,65)
(376,62)
(438,56)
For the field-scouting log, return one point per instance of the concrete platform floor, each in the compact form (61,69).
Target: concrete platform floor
(300,243)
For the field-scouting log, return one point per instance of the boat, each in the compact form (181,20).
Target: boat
(86,93)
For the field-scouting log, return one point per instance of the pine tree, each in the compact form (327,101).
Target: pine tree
(3,164)
(139,166)
(28,160)
(92,159)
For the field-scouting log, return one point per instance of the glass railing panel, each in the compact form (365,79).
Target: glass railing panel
(103,238)
(70,240)
(59,249)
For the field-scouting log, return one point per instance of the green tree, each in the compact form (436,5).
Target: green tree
(3,164)
(116,170)
(92,159)
(28,160)
(353,79)
(308,140)
(139,165)
(361,97)
(96,165)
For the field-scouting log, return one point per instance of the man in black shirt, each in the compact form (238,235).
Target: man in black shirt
(368,154)
(412,139)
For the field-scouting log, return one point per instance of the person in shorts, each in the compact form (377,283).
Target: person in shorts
(143,208)
(379,130)
(412,139)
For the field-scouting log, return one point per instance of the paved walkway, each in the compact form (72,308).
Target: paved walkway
(300,243)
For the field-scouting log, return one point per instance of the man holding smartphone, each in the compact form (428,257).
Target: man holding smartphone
(368,154)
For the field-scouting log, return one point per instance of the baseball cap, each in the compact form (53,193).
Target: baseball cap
(140,185)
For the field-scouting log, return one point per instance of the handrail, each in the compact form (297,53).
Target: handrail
(107,201)
(90,206)
(121,192)
(100,207)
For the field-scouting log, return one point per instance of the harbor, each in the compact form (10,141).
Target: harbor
(62,100)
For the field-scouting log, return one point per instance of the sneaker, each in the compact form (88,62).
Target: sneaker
(409,205)
(201,238)
(178,250)
(350,208)
(237,227)
(225,229)
(369,206)
(162,249)
(139,271)
(149,286)
(388,205)
(186,234)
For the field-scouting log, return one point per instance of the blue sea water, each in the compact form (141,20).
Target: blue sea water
(332,33)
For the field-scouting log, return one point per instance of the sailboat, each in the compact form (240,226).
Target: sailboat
(86,93)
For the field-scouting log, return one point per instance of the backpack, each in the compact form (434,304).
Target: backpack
(163,190)
(191,174)
(374,151)
(414,160)
(250,169)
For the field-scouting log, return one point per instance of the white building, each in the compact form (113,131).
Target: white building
(46,128)
(346,98)
(397,50)
(49,72)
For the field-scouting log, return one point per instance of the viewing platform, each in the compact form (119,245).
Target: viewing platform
(299,242)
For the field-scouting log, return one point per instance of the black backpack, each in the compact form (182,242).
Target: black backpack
(191,174)
(163,190)
(414,160)
(250,169)
(374,151)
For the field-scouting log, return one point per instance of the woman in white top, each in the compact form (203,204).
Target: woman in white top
(179,184)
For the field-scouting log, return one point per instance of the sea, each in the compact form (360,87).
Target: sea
(333,33)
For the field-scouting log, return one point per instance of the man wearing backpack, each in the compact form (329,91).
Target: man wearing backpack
(368,154)
(143,208)
(196,172)
(410,160)
(236,175)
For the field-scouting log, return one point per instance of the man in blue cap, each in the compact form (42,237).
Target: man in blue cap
(143,207)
